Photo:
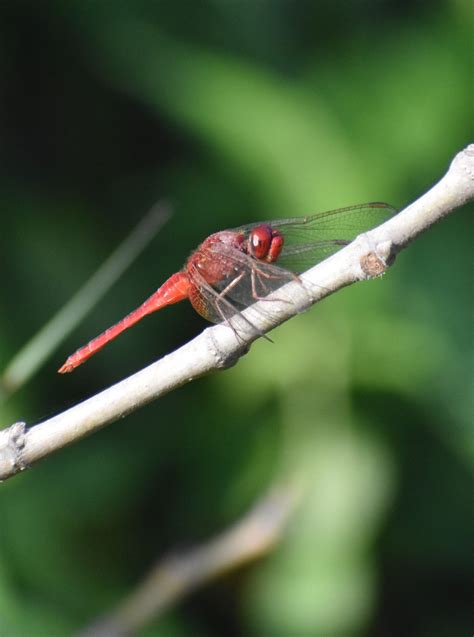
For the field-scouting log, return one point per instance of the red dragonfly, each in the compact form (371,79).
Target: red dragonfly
(234,268)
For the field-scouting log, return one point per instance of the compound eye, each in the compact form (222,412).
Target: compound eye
(260,241)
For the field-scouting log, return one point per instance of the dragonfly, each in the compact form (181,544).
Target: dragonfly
(232,269)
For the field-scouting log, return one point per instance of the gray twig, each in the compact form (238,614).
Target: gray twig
(217,347)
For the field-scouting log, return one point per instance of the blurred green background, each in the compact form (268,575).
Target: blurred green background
(236,111)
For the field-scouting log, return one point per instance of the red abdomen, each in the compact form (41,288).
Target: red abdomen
(175,289)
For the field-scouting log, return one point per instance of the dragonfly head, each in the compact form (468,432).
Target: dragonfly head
(265,243)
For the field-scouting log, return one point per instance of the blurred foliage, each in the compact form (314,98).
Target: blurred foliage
(234,111)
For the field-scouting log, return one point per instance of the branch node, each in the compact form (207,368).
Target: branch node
(372,265)
(463,161)
(223,359)
(377,256)
(12,443)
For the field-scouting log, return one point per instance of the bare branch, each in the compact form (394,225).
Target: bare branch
(217,347)
(254,535)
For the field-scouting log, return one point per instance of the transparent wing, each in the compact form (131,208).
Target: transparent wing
(312,238)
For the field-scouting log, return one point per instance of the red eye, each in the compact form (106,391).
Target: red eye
(275,247)
(260,240)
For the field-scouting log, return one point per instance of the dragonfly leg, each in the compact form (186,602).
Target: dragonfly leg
(222,302)
(232,284)
(256,272)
